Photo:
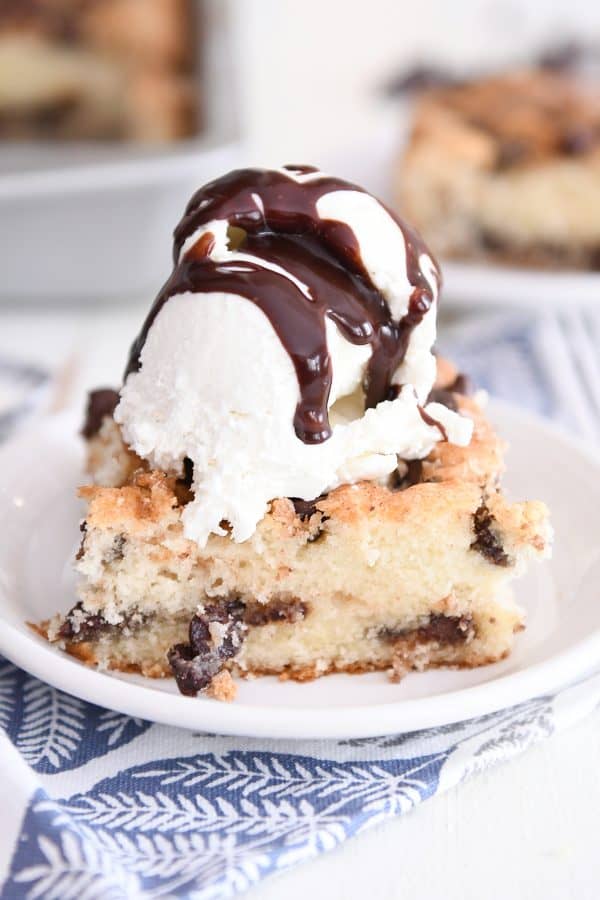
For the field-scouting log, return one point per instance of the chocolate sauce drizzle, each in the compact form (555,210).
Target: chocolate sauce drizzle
(278,216)
(101,403)
(433,423)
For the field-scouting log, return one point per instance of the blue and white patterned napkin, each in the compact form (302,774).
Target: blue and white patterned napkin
(104,806)
(99,805)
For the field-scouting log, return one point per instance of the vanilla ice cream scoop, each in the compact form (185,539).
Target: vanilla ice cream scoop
(290,350)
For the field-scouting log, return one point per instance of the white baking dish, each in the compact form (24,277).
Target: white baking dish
(85,223)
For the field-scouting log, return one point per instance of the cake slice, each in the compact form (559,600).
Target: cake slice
(283,485)
(98,70)
(507,168)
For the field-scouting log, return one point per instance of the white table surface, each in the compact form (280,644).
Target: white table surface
(528,829)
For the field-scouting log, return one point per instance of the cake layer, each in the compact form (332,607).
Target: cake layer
(134,554)
(313,645)
(429,554)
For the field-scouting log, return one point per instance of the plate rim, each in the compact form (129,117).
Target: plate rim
(304,722)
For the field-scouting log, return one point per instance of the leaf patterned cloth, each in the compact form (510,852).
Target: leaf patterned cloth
(99,806)
(105,806)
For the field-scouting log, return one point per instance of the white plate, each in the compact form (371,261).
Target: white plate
(470,284)
(39,526)
(466,284)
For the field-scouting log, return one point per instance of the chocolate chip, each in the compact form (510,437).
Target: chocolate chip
(183,485)
(81,551)
(188,472)
(50,118)
(564,56)
(462,384)
(412,476)
(304,508)
(491,242)
(67,630)
(421,78)
(443,396)
(577,140)
(115,552)
(318,535)
(228,613)
(594,259)
(511,152)
(279,610)
(191,672)
(439,628)
(81,626)
(196,663)
(486,540)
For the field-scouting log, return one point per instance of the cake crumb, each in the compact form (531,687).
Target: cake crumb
(222,687)
(218,633)
(398,670)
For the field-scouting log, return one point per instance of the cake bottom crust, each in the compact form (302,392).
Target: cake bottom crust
(86,653)
(491,248)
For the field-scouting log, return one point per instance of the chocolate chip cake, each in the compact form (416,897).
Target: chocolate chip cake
(507,168)
(274,495)
(98,70)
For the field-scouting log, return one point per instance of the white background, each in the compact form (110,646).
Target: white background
(311,70)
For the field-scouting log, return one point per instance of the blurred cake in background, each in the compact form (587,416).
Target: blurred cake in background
(98,70)
(506,167)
